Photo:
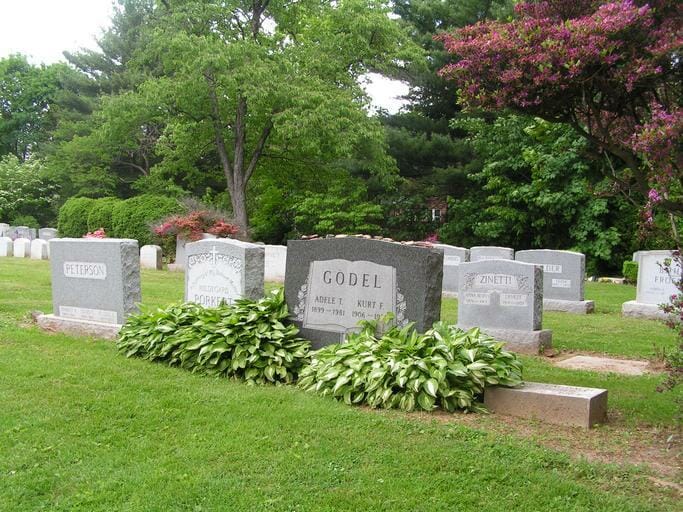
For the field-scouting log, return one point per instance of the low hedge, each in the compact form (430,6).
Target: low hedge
(630,271)
(445,367)
(248,340)
(134,217)
(100,215)
(72,220)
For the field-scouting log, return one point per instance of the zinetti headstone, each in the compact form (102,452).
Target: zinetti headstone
(655,285)
(452,258)
(95,285)
(332,284)
(505,299)
(490,252)
(222,270)
(563,279)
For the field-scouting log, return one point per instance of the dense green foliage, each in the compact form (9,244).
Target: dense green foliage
(630,271)
(26,190)
(249,340)
(73,217)
(445,367)
(537,189)
(134,217)
(101,213)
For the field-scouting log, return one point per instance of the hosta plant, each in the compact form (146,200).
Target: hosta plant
(445,367)
(249,340)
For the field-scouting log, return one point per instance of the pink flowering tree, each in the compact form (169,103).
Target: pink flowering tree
(613,71)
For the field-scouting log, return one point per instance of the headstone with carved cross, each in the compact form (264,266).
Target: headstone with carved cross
(222,270)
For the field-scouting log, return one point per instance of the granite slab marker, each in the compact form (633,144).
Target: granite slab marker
(95,285)
(223,270)
(505,299)
(563,279)
(654,286)
(490,252)
(552,403)
(452,257)
(332,284)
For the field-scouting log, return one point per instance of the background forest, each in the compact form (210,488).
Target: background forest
(256,108)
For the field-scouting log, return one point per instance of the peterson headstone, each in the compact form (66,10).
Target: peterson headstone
(95,285)
(332,284)
(452,257)
(150,257)
(39,249)
(223,270)
(490,252)
(505,299)
(655,286)
(22,248)
(563,279)
(6,246)
(47,233)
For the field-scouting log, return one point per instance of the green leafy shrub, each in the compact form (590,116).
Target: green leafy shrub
(630,271)
(134,217)
(249,340)
(73,217)
(445,367)
(25,220)
(100,215)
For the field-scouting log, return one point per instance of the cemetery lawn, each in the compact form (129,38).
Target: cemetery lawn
(85,429)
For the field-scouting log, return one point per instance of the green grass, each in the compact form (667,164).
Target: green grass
(82,428)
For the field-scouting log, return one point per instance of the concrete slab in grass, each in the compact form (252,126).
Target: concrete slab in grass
(605,364)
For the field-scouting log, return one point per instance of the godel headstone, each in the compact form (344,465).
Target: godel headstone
(563,279)
(505,299)
(332,284)
(95,285)
(452,257)
(222,270)
(490,252)
(655,286)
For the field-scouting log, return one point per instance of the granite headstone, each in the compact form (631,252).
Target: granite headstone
(505,299)
(22,248)
(452,257)
(563,279)
(47,233)
(490,252)
(39,249)
(150,257)
(332,284)
(655,286)
(95,284)
(222,270)
(6,246)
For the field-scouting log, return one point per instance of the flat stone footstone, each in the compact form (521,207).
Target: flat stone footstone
(332,284)
(605,364)
(551,403)
(582,307)
(78,327)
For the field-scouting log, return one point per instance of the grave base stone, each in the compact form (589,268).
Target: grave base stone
(583,307)
(522,342)
(78,327)
(551,403)
(636,309)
